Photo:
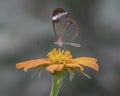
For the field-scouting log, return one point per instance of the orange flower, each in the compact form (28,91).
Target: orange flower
(59,60)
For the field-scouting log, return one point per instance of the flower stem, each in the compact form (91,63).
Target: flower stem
(57,81)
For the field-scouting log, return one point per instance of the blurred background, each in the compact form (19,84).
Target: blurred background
(26,33)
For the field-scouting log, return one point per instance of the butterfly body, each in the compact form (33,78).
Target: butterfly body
(59,43)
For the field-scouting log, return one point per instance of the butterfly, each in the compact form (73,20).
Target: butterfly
(65,29)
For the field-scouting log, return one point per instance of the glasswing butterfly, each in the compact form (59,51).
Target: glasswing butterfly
(65,29)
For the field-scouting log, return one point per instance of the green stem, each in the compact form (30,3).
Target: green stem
(57,81)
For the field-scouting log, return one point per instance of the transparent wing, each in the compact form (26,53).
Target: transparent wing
(70,31)
(60,17)
(65,29)
(57,29)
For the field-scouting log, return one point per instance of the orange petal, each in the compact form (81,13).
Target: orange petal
(88,62)
(75,66)
(55,67)
(32,63)
(84,58)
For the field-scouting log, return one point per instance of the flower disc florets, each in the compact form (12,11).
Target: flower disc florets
(60,56)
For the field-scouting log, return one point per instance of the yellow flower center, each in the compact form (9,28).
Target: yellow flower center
(58,56)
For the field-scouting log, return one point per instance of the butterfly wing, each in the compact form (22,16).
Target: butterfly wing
(70,31)
(65,29)
(59,19)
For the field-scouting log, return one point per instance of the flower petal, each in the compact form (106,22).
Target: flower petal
(88,62)
(32,63)
(55,67)
(74,65)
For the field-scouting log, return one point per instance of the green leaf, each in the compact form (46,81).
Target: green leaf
(86,75)
(72,74)
(37,71)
